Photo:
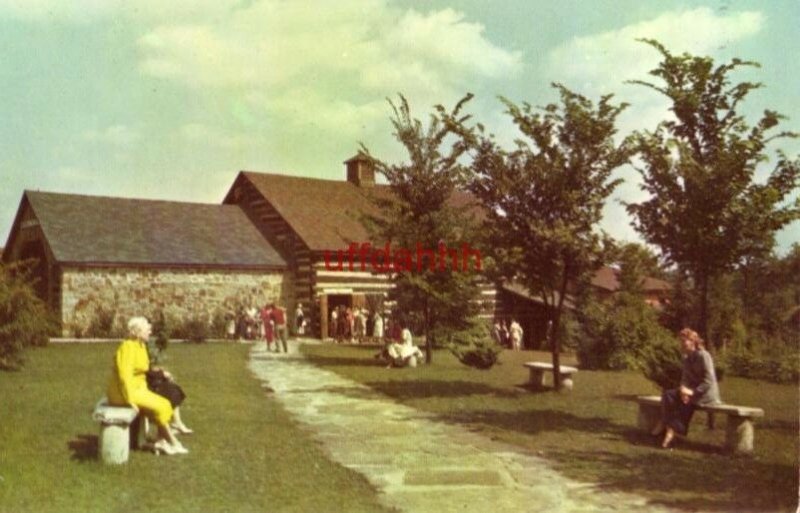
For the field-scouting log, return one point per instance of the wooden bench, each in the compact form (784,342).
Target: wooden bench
(115,434)
(739,431)
(538,370)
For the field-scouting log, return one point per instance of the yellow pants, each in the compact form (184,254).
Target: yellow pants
(152,404)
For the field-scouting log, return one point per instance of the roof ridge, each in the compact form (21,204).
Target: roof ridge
(123,198)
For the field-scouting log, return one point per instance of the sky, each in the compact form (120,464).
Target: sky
(169,100)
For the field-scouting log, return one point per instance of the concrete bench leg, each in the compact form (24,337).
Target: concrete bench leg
(566,383)
(739,435)
(649,416)
(536,379)
(114,443)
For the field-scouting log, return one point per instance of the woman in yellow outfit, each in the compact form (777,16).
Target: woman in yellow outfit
(128,385)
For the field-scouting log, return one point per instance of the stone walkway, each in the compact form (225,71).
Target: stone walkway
(419,464)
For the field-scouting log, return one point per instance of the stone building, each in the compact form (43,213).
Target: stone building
(112,258)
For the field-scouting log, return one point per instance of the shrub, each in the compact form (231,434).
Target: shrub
(474,346)
(662,364)
(781,365)
(102,323)
(219,324)
(161,331)
(193,329)
(24,319)
(621,335)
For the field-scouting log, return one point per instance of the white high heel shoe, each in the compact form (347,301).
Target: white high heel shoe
(162,446)
(181,429)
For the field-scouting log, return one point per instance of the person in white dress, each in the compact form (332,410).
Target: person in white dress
(404,353)
(516,335)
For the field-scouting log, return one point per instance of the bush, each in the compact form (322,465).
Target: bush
(622,335)
(219,324)
(24,319)
(161,331)
(102,323)
(662,363)
(193,329)
(780,366)
(474,346)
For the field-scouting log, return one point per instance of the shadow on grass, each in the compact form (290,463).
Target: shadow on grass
(424,389)
(331,361)
(683,481)
(536,421)
(84,447)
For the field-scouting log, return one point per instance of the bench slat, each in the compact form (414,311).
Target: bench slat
(565,369)
(730,409)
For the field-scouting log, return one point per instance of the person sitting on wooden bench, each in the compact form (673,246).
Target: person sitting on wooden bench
(698,387)
(128,385)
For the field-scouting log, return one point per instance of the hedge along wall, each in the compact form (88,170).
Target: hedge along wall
(180,294)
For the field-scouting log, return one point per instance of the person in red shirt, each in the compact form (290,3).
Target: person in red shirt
(266,319)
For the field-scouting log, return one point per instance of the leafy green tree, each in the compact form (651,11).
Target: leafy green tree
(705,212)
(545,197)
(636,262)
(420,213)
(24,318)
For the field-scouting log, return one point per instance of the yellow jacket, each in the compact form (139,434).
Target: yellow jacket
(128,383)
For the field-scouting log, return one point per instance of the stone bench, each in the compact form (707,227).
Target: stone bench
(538,370)
(739,431)
(115,423)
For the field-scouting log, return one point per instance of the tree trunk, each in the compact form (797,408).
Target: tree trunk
(555,342)
(428,342)
(702,325)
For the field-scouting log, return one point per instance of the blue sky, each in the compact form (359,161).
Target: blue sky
(136,98)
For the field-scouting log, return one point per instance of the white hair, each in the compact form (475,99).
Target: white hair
(137,327)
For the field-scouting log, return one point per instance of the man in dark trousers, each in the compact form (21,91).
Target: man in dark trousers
(279,317)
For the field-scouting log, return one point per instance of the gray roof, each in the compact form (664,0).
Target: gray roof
(102,230)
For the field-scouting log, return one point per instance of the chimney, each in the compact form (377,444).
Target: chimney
(360,170)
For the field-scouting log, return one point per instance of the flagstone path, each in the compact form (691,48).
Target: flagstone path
(417,463)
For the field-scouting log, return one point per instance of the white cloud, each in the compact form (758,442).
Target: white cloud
(603,61)
(116,135)
(339,58)
(88,11)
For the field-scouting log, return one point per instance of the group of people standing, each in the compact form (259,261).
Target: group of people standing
(251,323)
(273,320)
(355,324)
(508,334)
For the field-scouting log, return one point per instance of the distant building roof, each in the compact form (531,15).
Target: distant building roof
(102,230)
(326,214)
(608,278)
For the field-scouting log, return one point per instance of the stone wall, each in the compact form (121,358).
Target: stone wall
(181,294)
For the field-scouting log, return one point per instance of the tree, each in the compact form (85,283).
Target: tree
(545,197)
(636,262)
(24,319)
(419,214)
(705,212)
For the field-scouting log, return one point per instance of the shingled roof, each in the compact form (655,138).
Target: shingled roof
(326,214)
(608,278)
(101,230)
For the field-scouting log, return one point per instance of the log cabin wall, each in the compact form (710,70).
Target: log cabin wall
(281,236)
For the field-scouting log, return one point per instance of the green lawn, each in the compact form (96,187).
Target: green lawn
(246,454)
(590,434)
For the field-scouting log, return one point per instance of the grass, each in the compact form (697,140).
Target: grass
(590,434)
(246,453)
